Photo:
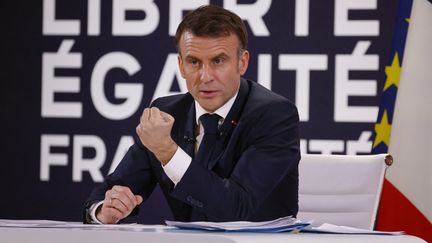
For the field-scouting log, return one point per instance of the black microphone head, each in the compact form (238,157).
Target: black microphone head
(189,139)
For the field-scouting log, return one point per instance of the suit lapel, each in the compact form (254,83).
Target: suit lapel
(186,131)
(230,123)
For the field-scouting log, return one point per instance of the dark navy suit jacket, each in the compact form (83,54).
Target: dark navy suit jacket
(253,171)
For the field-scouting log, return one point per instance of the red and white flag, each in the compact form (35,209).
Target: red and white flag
(406,201)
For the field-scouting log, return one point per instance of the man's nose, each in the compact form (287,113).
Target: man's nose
(206,74)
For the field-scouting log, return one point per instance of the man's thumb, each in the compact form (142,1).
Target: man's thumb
(139,199)
(167,117)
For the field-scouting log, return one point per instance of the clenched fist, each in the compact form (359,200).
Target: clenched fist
(118,204)
(154,132)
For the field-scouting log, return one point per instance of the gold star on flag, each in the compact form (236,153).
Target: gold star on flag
(393,73)
(382,130)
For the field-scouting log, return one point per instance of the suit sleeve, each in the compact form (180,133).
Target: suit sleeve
(270,153)
(134,171)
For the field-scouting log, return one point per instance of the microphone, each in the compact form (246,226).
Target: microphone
(189,139)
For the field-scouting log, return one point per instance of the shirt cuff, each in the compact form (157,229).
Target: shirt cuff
(92,210)
(177,166)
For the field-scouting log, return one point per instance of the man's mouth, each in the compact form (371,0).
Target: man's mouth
(208,93)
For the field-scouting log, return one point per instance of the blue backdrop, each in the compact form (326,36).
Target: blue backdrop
(76,76)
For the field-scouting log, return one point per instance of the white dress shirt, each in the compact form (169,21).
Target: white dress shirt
(179,163)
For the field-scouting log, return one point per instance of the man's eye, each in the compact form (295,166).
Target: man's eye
(193,62)
(218,61)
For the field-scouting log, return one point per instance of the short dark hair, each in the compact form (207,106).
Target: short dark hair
(213,21)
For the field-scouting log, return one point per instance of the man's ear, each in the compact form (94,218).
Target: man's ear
(243,62)
(180,65)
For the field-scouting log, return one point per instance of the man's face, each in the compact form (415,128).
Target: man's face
(212,68)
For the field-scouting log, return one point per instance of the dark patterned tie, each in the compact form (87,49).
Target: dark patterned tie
(210,124)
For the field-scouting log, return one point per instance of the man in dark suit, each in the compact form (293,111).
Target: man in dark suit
(226,150)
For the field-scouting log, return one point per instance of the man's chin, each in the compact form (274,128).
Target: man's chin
(209,106)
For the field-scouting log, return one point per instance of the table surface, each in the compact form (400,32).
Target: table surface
(157,233)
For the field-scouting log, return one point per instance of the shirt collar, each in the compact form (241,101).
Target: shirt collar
(222,111)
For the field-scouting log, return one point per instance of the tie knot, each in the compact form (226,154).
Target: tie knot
(210,123)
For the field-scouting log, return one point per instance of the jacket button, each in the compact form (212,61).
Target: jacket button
(194,202)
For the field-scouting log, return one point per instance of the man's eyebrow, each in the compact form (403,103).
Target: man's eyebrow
(192,57)
(222,54)
(189,57)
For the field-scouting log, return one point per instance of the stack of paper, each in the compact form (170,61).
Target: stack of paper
(79,225)
(336,229)
(278,225)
